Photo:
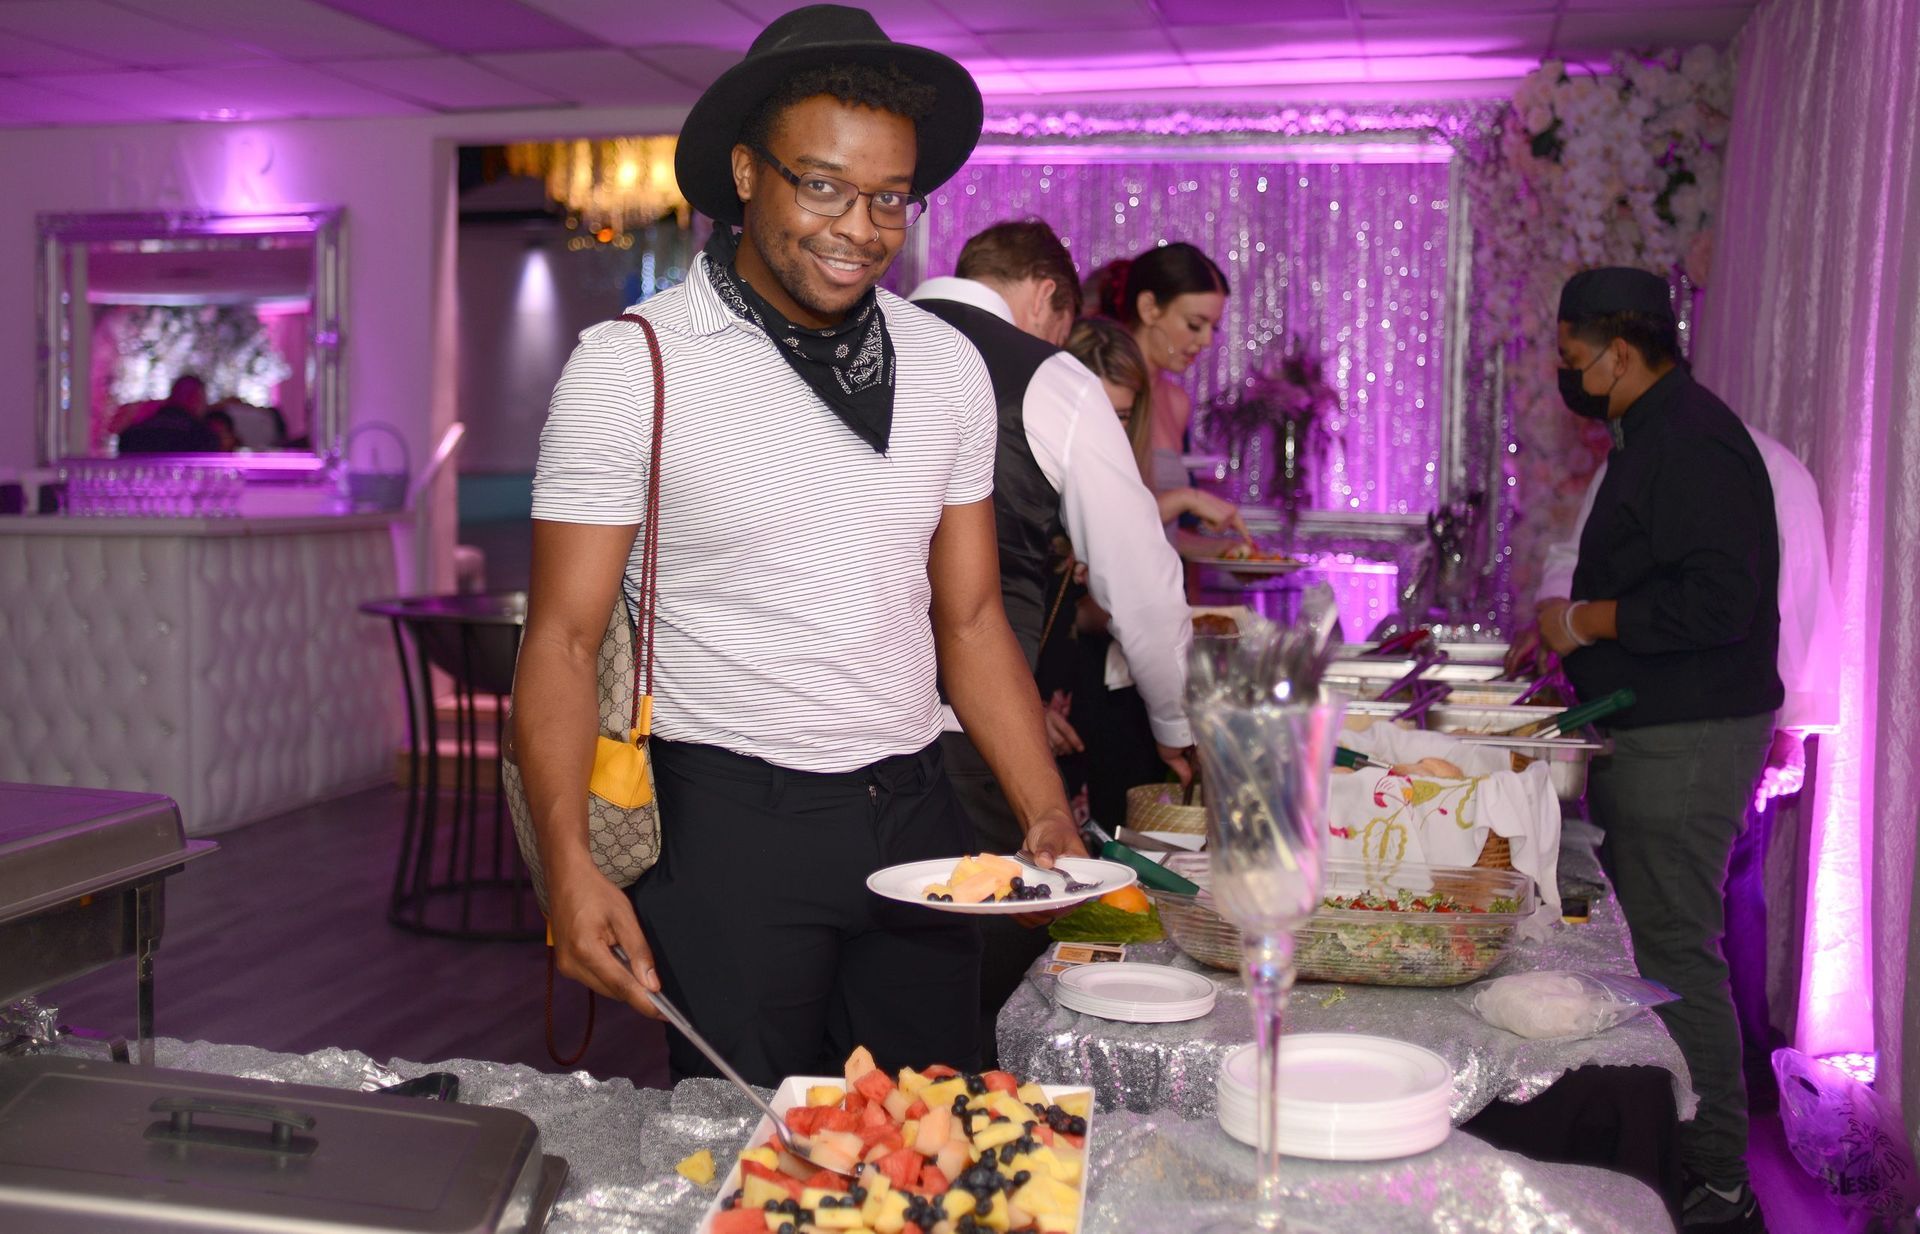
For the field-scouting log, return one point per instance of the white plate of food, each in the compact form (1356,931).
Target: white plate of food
(898,1180)
(1255,561)
(986,883)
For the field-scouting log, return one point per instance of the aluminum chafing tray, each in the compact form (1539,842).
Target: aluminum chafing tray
(1567,756)
(1392,668)
(61,844)
(1456,652)
(112,1149)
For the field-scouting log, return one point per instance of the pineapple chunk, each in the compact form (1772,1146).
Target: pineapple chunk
(993,1135)
(912,1081)
(1011,1107)
(886,1212)
(755,1191)
(996,1216)
(825,1094)
(956,1204)
(1059,1223)
(1077,1103)
(836,1218)
(940,1094)
(1044,1197)
(762,1156)
(1032,1095)
(1063,1167)
(698,1168)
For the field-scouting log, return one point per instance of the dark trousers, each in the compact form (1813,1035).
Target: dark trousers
(1010,949)
(764,931)
(1672,798)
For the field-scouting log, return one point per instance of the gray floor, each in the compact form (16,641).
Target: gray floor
(280,940)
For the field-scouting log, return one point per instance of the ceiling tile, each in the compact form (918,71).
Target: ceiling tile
(697,66)
(1285,41)
(901,19)
(33,103)
(1093,19)
(1509,34)
(1236,12)
(1441,67)
(296,29)
(600,78)
(1069,51)
(1439,9)
(117,34)
(471,25)
(445,82)
(24,55)
(1597,34)
(625,23)
(1077,80)
(293,90)
(146,92)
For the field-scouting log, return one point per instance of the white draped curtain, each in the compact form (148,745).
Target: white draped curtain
(1810,328)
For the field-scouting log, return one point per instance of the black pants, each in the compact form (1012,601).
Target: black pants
(1010,948)
(764,931)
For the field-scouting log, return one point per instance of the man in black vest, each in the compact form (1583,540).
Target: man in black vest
(1063,467)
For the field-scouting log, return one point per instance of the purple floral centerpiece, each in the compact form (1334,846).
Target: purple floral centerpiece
(1275,428)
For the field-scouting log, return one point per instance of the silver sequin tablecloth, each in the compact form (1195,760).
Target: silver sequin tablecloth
(1149,1067)
(1149,1171)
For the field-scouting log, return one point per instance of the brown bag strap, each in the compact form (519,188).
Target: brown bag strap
(643,633)
(650,530)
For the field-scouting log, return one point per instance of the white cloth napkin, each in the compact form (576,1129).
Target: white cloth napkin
(1387,821)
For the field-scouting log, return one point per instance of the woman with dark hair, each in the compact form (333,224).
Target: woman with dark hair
(1171,300)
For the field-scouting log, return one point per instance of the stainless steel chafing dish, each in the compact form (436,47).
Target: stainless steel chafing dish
(105,1148)
(81,882)
(1567,755)
(1456,652)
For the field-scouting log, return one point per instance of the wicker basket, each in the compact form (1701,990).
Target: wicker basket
(1364,948)
(1149,809)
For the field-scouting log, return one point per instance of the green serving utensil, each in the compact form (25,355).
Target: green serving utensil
(1578,717)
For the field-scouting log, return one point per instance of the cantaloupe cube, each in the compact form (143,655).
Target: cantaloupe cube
(898,1102)
(936,1127)
(825,1094)
(836,1151)
(953,1159)
(977,888)
(858,1064)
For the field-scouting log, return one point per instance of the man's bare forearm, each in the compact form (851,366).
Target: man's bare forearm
(555,705)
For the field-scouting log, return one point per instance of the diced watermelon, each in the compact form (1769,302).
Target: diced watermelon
(875,1114)
(902,1167)
(793,1185)
(804,1120)
(886,1136)
(1043,1133)
(837,1119)
(854,1102)
(932,1181)
(911,1228)
(917,1110)
(739,1221)
(827,1180)
(1000,1082)
(938,1072)
(1076,1141)
(875,1085)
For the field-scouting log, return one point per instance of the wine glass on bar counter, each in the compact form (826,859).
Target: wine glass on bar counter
(1266,736)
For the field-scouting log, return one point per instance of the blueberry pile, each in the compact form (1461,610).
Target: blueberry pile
(1062,1122)
(1021,891)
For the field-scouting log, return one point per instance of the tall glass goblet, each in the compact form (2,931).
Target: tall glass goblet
(1266,766)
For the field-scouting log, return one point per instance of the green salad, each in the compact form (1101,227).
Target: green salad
(1094,922)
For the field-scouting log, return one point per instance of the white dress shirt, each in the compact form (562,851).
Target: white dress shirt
(1110,516)
(1809,618)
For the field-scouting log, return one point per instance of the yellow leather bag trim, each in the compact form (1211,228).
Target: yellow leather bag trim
(621,776)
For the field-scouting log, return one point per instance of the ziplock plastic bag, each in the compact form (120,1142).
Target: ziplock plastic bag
(1846,1135)
(1552,1003)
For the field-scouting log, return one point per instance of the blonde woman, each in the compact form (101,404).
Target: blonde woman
(1110,350)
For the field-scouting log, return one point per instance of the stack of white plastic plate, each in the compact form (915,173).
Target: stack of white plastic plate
(1344,1097)
(1136,993)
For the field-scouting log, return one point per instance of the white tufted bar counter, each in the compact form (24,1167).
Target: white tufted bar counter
(220,661)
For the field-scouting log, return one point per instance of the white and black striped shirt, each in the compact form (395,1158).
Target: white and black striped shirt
(794,592)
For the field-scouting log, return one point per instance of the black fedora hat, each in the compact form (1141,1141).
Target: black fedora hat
(813,37)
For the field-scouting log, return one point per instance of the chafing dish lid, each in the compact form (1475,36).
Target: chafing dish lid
(57,844)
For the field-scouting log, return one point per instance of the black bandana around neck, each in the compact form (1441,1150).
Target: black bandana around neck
(850,366)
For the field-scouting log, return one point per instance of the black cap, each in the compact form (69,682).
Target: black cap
(809,37)
(1615,289)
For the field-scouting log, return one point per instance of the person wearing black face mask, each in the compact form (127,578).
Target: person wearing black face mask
(1674,596)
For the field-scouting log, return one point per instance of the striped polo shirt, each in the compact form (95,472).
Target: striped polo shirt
(794,594)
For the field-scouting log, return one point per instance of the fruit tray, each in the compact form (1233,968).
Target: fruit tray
(794,1093)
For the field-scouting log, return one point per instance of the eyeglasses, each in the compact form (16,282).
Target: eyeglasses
(831,198)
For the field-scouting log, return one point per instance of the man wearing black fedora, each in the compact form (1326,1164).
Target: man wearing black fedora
(826,547)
